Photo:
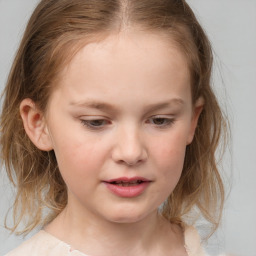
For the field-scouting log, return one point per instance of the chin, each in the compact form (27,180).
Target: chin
(128,217)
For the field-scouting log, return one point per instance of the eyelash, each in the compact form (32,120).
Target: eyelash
(101,123)
(167,122)
(89,123)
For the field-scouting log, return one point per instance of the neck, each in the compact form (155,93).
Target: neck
(95,236)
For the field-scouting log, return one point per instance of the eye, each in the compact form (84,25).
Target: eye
(161,121)
(95,124)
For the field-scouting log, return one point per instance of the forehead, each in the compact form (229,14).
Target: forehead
(132,44)
(126,62)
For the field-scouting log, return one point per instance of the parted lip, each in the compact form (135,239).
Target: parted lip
(127,179)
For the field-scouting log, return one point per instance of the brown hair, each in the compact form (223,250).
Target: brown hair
(55,32)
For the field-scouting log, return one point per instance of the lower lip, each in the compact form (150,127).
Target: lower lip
(130,191)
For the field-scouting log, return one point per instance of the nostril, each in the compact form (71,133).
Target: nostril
(129,150)
(130,160)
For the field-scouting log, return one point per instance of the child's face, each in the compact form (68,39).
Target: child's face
(122,110)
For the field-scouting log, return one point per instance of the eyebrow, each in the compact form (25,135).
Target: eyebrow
(94,105)
(161,105)
(111,108)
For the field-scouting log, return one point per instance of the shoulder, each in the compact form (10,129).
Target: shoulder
(40,244)
(193,243)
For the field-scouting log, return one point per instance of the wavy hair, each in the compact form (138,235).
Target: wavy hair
(55,32)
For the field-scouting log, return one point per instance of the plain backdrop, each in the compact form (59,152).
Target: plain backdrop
(231,27)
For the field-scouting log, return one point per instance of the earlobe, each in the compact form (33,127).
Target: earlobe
(198,107)
(35,125)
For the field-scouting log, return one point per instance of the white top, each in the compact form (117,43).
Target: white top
(44,244)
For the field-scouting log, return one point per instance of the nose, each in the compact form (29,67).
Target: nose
(129,148)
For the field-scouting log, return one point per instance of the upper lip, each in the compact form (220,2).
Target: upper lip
(127,179)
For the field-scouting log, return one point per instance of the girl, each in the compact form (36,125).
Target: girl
(109,121)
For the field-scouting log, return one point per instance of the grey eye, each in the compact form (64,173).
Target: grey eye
(95,124)
(161,121)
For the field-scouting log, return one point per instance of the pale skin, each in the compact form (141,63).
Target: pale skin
(121,108)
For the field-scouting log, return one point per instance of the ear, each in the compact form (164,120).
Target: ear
(35,125)
(198,107)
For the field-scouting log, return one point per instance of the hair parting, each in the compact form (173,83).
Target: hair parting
(56,31)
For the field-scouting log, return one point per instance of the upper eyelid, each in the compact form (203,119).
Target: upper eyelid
(94,118)
(92,127)
(162,116)
(106,122)
(168,119)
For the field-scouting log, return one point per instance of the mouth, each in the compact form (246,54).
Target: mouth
(127,187)
(127,182)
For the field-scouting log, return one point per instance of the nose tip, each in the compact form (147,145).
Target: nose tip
(133,160)
(130,151)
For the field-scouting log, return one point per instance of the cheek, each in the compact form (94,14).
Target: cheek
(79,166)
(171,149)
(168,162)
(172,161)
(169,154)
(79,157)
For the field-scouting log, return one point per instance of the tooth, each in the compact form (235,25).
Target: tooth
(127,183)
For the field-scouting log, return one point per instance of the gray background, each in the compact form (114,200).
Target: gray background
(231,26)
